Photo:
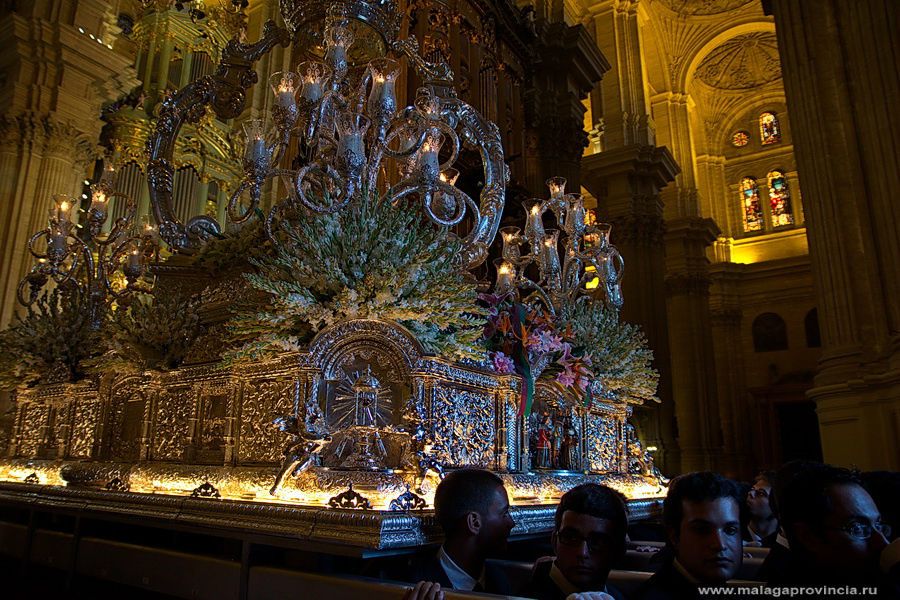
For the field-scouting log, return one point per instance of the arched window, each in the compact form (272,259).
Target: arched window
(769,333)
(769,129)
(780,199)
(811,325)
(753,214)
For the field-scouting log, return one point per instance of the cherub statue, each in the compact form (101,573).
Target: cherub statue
(303,451)
(419,458)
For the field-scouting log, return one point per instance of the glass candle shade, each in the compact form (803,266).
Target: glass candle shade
(351,150)
(428,161)
(534,224)
(557,186)
(284,85)
(313,74)
(382,103)
(510,237)
(64,205)
(506,275)
(256,153)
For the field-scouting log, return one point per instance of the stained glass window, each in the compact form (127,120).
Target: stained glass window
(769,129)
(740,139)
(753,214)
(780,200)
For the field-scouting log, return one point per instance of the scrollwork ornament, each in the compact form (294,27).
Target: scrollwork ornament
(350,500)
(408,501)
(206,490)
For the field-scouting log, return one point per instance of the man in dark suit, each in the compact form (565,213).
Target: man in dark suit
(588,538)
(701,514)
(472,507)
(835,531)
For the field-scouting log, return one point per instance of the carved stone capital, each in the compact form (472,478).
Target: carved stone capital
(692,284)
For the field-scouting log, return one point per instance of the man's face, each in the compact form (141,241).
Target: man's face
(834,547)
(496,523)
(586,548)
(758,499)
(708,542)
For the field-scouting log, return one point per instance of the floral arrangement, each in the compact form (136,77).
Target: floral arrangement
(583,349)
(155,331)
(50,343)
(522,339)
(374,260)
(621,360)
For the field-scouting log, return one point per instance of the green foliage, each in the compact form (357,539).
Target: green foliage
(372,261)
(621,358)
(155,331)
(233,249)
(50,342)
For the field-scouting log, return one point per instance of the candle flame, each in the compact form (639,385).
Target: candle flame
(64,205)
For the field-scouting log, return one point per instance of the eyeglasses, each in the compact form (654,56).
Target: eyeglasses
(863,531)
(753,492)
(595,542)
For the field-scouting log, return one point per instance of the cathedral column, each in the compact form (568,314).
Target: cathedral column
(725,319)
(693,364)
(627,183)
(621,98)
(840,67)
(567,66)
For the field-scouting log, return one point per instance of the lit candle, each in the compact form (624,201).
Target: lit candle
(534,225)
(557,186)
(510,243)
(550,256)
(505,276)
(99,202)
(284,87)
(63,210)
(382,102)
(255,153)
(134,259)
(428,156)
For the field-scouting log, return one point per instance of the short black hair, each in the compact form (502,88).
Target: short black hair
(461,492)
(803,498)
(696,487)
(597,501)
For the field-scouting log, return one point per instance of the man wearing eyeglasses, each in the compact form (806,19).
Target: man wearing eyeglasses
(589,536)
(834,528)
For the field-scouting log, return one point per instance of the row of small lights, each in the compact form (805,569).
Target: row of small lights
(96,39)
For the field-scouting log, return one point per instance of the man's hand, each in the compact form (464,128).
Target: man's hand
(589,596)
(424,590)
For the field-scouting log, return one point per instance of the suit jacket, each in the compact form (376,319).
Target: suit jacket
(495,581)
(668,584)
(542,587)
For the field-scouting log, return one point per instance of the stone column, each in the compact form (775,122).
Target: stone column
(567,66)
(725,319)
(626,118)
(840,66)
(693,361)
(627,183)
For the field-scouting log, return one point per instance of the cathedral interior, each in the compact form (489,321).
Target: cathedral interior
(743,151)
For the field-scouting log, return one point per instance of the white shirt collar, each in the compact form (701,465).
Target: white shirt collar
(459,579)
